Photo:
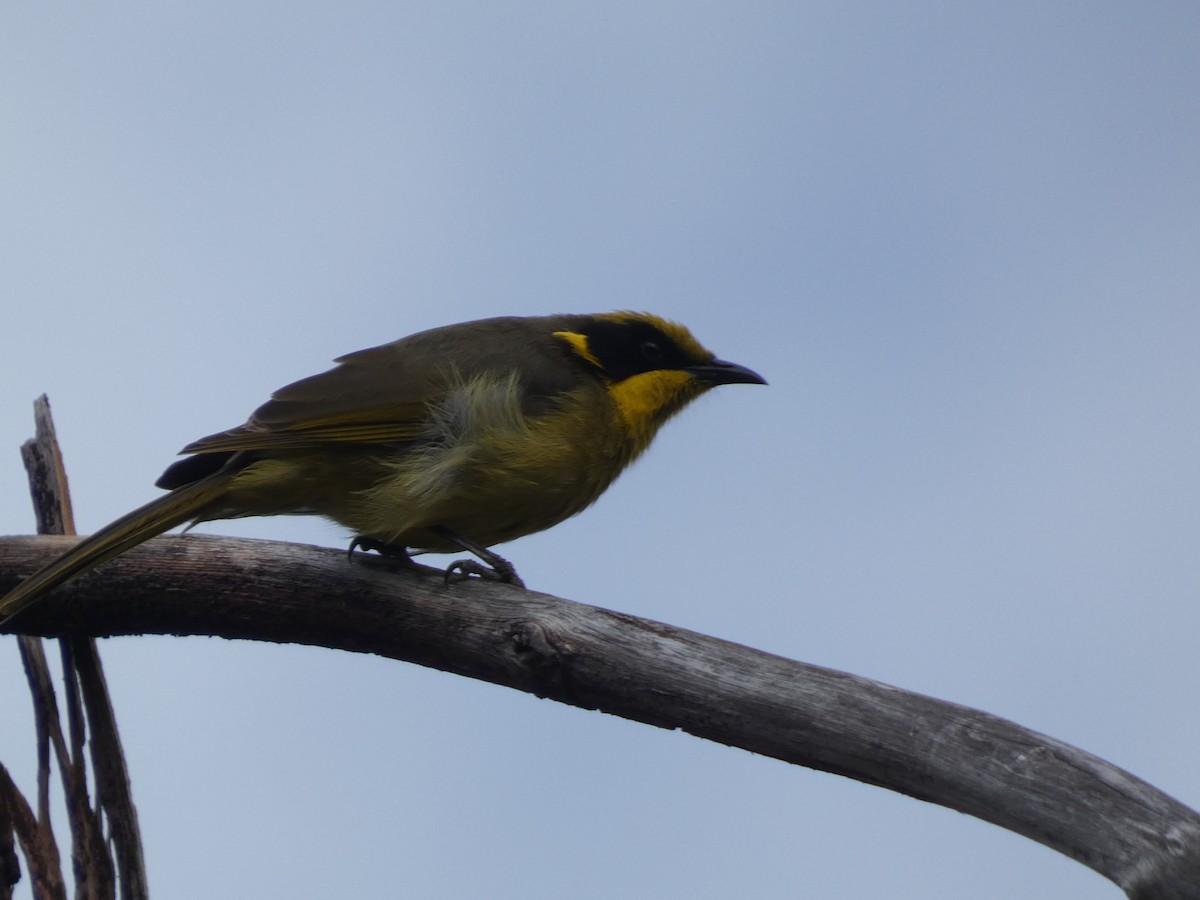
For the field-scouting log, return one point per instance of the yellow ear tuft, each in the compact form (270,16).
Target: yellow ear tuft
(579,343)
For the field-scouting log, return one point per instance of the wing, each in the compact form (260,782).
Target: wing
(382,395)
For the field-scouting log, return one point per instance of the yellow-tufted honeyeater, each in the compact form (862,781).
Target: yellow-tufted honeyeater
(457,438)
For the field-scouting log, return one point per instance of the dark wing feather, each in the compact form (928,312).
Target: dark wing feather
(382,395)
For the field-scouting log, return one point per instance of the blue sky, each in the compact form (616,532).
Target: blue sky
(959,239)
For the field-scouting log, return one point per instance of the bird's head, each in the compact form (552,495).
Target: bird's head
(651,367)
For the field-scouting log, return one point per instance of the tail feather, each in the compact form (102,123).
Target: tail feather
(179,506)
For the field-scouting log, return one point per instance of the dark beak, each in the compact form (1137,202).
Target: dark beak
(720,372)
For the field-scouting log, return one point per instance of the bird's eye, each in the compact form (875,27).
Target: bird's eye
(651,351)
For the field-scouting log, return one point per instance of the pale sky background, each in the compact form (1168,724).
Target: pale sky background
(961,240)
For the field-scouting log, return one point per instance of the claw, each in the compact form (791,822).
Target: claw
(367,544)
(493,568)
(462,569)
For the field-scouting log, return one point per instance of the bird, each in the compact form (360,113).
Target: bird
(453,439)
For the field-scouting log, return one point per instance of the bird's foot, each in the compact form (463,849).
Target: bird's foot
(391,551)
(496,569)
(493,567)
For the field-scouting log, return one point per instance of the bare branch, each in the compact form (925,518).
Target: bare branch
(87,703)
(45,717)
(964,759)
(47,475)
(112,775)
(10,865)
(36,841)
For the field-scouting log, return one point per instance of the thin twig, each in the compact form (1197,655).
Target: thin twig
(11,800)
(45,716)
(37,843)
(86,696)
(112,775)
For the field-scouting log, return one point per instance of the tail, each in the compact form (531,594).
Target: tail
(179,506)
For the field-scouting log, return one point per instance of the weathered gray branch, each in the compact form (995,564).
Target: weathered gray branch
(961,758)
(88,709)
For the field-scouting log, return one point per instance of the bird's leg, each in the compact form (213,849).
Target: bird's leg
(494,566)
